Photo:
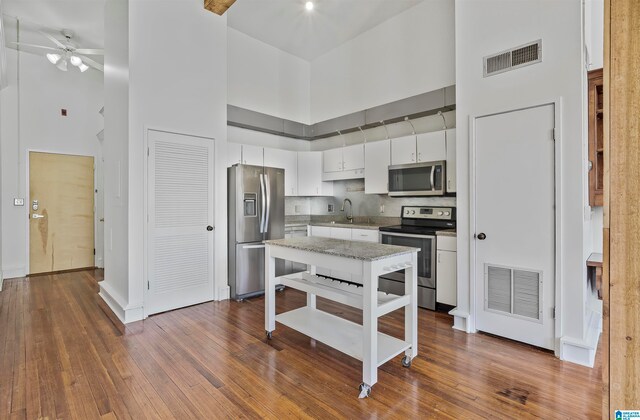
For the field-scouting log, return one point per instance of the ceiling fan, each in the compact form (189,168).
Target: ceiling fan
(66,52)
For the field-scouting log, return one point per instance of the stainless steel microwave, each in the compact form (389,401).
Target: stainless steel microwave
(417,179)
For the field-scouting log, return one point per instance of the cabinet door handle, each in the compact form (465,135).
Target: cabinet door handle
(439,257)
(419,156)
(413,159)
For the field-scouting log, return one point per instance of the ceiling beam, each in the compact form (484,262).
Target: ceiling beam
(218,6)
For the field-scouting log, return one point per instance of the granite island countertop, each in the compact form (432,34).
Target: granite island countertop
(356,225)
(365,251)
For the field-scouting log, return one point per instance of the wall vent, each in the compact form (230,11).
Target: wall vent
(514,292)
(514,58)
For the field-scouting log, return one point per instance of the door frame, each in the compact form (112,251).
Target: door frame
(145,207)
(477,284)
(27,204)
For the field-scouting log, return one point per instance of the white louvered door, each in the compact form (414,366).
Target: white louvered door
(180,223)
(515,199)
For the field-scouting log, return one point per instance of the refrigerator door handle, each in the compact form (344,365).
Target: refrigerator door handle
(253,246)
(268,188)
(262,204)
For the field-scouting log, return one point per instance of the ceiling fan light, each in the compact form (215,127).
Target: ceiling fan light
(83,67)
(53,58)
(75,60)
(62,65)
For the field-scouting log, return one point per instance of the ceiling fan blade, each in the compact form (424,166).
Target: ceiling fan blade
(42,47)
(91,63)
(52,39)
(90,51)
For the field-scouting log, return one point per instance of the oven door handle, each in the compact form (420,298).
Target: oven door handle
(407,235)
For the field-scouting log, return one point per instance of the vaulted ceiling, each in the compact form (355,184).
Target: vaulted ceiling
(287,25)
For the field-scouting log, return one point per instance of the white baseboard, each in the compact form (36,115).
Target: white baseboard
(14,272)
(224,293)
(461,320)
(583,352)
(126,314)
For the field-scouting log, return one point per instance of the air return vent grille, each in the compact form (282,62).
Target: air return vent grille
(513,59)
(514,292)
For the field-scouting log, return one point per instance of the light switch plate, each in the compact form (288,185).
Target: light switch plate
(18,201)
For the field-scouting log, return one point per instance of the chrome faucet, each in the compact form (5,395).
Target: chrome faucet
(349,216)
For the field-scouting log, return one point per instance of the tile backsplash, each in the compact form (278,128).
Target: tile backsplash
(363,204)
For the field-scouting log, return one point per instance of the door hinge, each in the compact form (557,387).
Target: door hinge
(94,251)
(553,313)
(147,151)
(148,286)
(554,134)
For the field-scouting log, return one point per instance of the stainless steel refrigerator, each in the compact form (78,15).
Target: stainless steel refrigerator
(256,214)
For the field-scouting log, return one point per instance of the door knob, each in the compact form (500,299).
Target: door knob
(209,228)
(482,236)
(37,216)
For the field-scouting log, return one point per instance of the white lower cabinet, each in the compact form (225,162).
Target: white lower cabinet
(446,271)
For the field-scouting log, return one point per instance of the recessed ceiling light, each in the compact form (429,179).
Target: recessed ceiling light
(309,5)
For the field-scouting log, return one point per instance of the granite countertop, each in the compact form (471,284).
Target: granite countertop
(447,232)
(365,251)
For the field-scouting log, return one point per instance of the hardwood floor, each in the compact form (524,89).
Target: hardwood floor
(61,357)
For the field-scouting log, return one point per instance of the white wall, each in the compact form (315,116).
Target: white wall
(116,153)
(44,90)
(409,54)
(485,27)
(257,138)
(185,96)
(594,33)
(267,80)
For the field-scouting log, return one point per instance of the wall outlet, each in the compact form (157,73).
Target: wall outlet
(18,201)
(330,208)
(298,208)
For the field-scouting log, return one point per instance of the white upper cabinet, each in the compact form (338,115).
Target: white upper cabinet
(431,146)
(332,160)
(343,163)
(377,158)
(287,160)
(252,155)
(451,161)
(234,154)
(353,157)
(403,150)
(310,175)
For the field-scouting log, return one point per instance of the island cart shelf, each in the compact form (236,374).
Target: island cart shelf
(364,261)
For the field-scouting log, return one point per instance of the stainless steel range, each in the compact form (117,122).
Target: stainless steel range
(418,229)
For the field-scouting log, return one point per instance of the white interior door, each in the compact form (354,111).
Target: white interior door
(515,199)
(180,224)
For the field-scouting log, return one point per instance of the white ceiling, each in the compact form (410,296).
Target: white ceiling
(286,25)
(84,17)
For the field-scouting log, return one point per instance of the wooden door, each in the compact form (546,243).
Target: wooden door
(515,225)
(180,221)
(61,232)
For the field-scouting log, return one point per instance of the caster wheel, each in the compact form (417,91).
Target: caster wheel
(365,390)
(406,361)
(269,335)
